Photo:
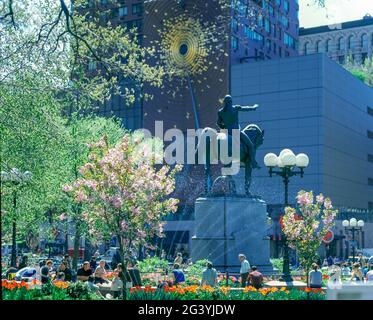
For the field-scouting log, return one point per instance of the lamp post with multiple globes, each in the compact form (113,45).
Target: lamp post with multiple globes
(354,226)
(15,178)
(288,165)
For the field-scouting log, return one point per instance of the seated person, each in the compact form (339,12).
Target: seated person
(357,273)
(117,283)
(209,275)
(100,273)
(315,277)
(133,277)
(46,272)
(178,274)
(335,273)
(66,270)
(84,272)
(255,278)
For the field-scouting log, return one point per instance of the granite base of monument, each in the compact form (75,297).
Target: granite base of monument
(228,226)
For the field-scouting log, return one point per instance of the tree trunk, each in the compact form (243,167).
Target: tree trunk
(13,257)
(76,248)
(124,267)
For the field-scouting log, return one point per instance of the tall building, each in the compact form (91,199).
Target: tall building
(352,38)
(313,105)
(253,30)
(263,30)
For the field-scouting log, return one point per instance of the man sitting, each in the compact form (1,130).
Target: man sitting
(84,272)
(67,272)
(100,273)
(209,275)
(255,278)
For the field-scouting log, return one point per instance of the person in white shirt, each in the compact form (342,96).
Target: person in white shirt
(369,276)
(245,269)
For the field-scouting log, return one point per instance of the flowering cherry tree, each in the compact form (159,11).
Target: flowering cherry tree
(306,228)
(124,193)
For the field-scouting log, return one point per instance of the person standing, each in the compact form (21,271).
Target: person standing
(315,277)
(245,268)
(256,278)
(209,275)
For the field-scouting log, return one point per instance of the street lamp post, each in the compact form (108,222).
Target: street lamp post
(286,162)
(354,226)
(15,178)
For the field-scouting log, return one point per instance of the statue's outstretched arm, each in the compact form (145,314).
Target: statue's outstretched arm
(246,108)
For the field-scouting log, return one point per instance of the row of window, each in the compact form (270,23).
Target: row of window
(269,45)
(341,44)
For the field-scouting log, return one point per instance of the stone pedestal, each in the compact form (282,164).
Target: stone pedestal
(228,226)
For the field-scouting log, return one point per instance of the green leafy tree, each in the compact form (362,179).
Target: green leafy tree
(363,72)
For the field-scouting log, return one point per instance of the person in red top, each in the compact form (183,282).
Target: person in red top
(255,278)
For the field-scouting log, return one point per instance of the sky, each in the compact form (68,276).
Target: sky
(336,11)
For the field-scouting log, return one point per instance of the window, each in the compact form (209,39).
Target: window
(370,111)
(286,5)
(370,158)
(289,41)
(364,41)
(234,24)
(370,182)
(351,42)
(137,8)
(341,59)
(328,45)
(123,11)
(370,134)
(341,44)
(319,48)
(307,48)
(234,43)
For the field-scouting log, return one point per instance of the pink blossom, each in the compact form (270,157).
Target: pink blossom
(67,188)
(116,202)
(136,211)
(328,204)
(320,199)
(80,196)
(62,217)
(305,198)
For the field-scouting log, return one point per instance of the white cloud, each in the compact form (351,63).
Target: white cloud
(336,11)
